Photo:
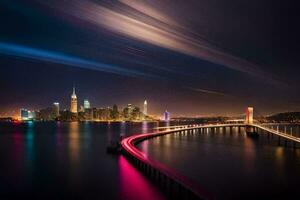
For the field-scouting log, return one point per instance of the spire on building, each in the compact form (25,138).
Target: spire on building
(73,94)
(73,108)
(145,111)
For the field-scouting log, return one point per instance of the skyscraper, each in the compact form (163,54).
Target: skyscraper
(24,114)
(56,109)
(130,108)
(27,114)
(73,102)
(167,116)
(86,104)
(145,111)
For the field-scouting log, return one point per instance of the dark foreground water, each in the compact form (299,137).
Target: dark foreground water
(232,165)
(50,160)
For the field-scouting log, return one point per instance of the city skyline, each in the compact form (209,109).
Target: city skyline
(188,66)
(149,99)
(84,112)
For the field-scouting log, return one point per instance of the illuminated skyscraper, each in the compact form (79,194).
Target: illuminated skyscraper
(130,108)
(86,104)
(73,102)
(24,114)
(167,116)
(27,114)
(145,111)
(56,109)
(31,115)
(81,108)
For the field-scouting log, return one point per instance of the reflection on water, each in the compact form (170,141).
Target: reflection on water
(29,138)
(133,185)
(257,168)
(17,151)
(74,145)
(58,160)
(145,128)
(249,155)
(122,129)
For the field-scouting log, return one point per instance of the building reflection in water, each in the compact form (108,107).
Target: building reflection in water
(144,144)
(17,150)
(29,145)
(123,129)
(133,185)
(74,142)
(86,134)
(110,137)
(58,135)
(145,127)
(249,154)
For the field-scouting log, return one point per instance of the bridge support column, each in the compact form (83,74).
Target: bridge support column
(251,131)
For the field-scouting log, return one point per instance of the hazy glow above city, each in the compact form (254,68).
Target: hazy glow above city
(190,59)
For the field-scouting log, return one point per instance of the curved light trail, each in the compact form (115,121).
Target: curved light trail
(128,144)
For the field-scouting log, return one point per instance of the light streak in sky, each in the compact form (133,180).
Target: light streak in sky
(145,22)
(60,58)
(211,92)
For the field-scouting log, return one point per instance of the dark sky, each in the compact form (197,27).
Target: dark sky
(191,57)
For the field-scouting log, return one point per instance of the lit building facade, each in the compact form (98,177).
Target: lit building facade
(73,108)
(27,114)
(56,109)
(167,116)
(145,111)
(24,114)
(86,104)
(31,115)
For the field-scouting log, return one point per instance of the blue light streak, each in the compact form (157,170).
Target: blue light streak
(10,49)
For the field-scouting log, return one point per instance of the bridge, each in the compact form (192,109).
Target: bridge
(177,185)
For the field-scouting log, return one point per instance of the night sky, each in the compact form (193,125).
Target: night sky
(191,57)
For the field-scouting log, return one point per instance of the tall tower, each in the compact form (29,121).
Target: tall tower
(249,115)
(73,102)
(56,109)
(86,104)
(145,111)
(167,116)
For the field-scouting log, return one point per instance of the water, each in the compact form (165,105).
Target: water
(231,165)
(52,160)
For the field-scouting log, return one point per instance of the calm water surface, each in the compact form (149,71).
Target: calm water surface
(231,165)
(52,160)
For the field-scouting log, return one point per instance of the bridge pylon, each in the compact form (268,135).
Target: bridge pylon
(250,130)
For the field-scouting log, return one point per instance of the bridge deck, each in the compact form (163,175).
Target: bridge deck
(278,133)
(194,126)
(129,148)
